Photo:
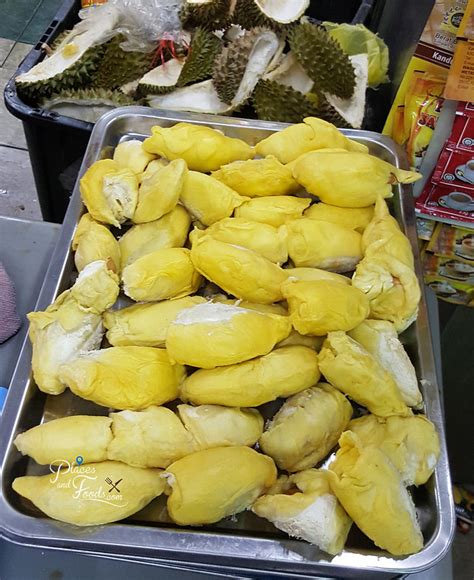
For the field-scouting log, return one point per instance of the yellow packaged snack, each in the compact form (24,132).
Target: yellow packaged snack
(93,241)
(215,483)
(131,155)
(269,242)
(321,306)
(306,428)
(354,218)
(283,372)
(78,495)
(211,335)
(170,231)
(275,210)
(65,439)
(159,193)
(258,177)
(411,443)
(240,272)
(96,288)
(145,324)
(288,144)
(348,178)
(204,149)
(317,244)
(109,193)
(311,512)
(124,377)
(312,274)
(371,491)
(355,372)
(207,199)
(166,273)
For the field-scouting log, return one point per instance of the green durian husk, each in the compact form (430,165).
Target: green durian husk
(204,48)
(213,15)
(323,60)
(248,15)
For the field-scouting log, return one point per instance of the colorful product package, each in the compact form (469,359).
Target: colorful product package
(453,242)
(455,167)
(446,202)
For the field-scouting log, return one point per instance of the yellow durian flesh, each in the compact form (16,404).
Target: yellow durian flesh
(207,199)
(312,513)
(265,308)
(93,241)
(269,242)
(58,334)
(239,271)
(380,338)
(131,155)
(152,167)
(297,339)
(288,144)
(124,377)
(166,273)
(321,306)
(65,439)
(212,334)
(355,372)
(283,372)
(354,218)
(145,324)
(80,496)
(311,274)
(212,484)
(411,443)
(154,437)
(371,491)
(306,427)
(109,193)
(96,287)
(170,231)
(348,178)
(258,177)
(217,426)
(275,210)
(204,149)
(318,244)
(159,193)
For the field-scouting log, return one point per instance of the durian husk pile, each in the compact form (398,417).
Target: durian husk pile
(260,58)
(237,290)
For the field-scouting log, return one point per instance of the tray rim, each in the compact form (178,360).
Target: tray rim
(41,532)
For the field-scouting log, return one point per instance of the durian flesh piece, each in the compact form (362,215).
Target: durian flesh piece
(65,439)
(96,288)
(306,427)
(210,485)
(258,177)
(239,271)
(371,491)
(93,241)
(311,274)
(145,324)
(131,155)
(269,242)
(217,426)
(124,377)
(348,178)
(355,372)
(325,245)
(79,496)
(265,308)
(204,149)
(380,338)
(274,210)
(166,273)
(207,199)
(354,218)
(311,513)
(109,193)
(297,339)
(313,134)
(411,443)
(210,335)
(283,372)
(321,306)
(170,231)
(159,193)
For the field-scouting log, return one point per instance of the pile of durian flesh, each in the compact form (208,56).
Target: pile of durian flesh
(256,303)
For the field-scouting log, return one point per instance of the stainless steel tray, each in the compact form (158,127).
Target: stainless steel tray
(244,544)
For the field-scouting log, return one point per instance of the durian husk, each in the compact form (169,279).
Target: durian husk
(161,79)
(209,14)
(203,50)
(273,101)
(266,13)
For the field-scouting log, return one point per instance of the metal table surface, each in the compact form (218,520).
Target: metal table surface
(25,247)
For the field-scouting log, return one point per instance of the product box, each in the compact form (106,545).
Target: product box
(446,203)
(451,291)
(448,268)
(452,242)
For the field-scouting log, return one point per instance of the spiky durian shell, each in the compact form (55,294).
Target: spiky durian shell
(323,60)
(273,101)
(247,14)
(89,95)
(203,50)
(213,15)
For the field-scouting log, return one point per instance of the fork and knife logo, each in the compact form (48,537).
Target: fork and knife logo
(112,484)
